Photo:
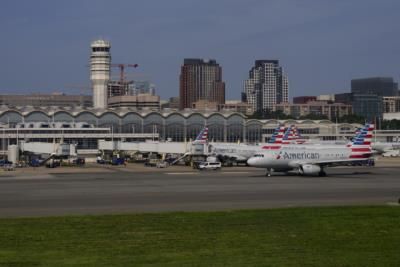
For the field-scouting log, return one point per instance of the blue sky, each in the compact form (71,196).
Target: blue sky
(322,44)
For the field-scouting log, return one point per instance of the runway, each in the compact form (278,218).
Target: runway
(122,191)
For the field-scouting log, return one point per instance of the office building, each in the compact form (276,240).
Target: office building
(139,102)
(143,87)
(369,106)
(171,103)
(201,79)
(380,86)
(391,104)
(119,88)
(345,98)
(329,98)
(205,105)
(303,99)
(331,110)
(236,106)
(46,100)
(266,86)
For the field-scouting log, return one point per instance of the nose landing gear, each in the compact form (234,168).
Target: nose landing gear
(268,173)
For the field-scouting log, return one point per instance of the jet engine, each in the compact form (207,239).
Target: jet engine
(309,169)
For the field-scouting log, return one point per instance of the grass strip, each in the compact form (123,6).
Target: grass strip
(324,236)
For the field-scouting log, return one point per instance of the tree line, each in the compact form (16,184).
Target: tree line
(352,118)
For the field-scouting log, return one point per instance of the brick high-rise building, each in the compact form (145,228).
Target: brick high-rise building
(200,79)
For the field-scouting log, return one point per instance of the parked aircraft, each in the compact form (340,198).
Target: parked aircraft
(312,159)
(387,149)
(240,153)
(202,137)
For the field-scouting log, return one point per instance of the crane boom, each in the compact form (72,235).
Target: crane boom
(122,69)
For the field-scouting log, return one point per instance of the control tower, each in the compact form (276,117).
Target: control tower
(100,63)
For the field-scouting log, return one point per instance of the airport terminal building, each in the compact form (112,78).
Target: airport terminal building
(165,125)
(85,126)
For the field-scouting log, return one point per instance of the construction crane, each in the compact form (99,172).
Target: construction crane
(122,70)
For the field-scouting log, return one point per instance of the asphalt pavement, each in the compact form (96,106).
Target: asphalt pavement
(124,190)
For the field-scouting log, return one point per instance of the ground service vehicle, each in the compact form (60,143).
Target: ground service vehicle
(210,166)
(162,164)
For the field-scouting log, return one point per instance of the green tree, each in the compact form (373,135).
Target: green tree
(352,118)
(268,114)
(313,117)
(390,125)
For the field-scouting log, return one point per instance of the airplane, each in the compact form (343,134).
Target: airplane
(294,137)
(240,153)
(202,137)
(311,160)
(387,149)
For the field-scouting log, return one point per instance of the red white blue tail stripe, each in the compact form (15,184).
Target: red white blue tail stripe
(203,136)
(361,144)
(276,139)
(292,136)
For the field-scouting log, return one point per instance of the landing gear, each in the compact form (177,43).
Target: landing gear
(322,173)
(268,173)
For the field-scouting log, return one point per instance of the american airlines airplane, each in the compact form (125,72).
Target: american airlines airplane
(242,152)
(387,149)
(311,160)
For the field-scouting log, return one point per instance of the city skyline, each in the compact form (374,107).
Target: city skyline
(321,44)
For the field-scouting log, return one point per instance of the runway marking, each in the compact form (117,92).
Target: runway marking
(235,172)
(183,173)
(177,173)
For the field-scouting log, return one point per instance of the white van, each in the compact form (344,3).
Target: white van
(210,166)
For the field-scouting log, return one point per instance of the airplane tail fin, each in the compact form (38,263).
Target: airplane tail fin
(288,135)
(202,137)
(277,136)
(299,139)
(292,136)
(361,143)
(276,139)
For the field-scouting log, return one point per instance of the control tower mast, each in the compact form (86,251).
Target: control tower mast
(100,63)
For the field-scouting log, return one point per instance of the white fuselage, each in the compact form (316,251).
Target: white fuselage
(241,152)
(383,147)
(291,157)
(244,152)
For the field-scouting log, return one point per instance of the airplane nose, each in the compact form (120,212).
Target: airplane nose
(251,161)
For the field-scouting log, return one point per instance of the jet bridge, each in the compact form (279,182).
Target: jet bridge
(57,149)
(155,147)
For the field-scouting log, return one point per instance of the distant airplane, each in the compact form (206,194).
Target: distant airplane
(387,149)
(202,137)
(312,159)
(240,153)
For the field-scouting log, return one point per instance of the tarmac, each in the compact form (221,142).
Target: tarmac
(103,189)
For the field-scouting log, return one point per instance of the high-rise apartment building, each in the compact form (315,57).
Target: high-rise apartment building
(200,79)
(266,86)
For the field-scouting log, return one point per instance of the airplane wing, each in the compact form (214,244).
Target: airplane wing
(338,162)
